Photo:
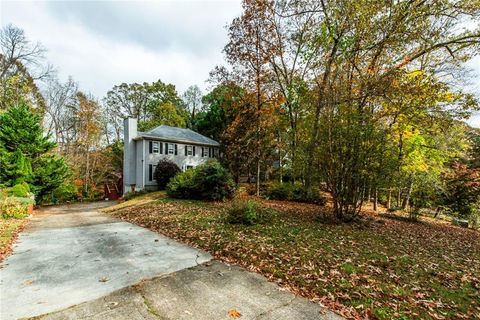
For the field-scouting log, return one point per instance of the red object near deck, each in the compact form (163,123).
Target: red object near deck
(114,191)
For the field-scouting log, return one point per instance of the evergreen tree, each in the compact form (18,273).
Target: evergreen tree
(24,152)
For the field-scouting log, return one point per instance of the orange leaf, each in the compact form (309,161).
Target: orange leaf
(233,313)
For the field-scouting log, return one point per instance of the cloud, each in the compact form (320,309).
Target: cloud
(193,25)
(101,44)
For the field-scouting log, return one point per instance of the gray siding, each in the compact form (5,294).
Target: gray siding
(140,164)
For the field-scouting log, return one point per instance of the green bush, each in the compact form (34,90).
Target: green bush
(280,191)
(164,172)
(14,207)
(293,192)
(208,181)
(65,193)
(300,195)
(183,185)
(244,212)
(19,190)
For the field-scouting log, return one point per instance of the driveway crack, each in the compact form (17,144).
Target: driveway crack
(149,304)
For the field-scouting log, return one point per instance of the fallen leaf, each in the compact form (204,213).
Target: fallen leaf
(233,313)
(103,279)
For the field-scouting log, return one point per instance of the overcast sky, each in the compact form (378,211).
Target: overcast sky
(104,43)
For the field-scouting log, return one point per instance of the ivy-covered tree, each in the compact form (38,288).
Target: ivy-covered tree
(24,152)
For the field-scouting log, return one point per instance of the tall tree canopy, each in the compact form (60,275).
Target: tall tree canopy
(152,103)
(365,94)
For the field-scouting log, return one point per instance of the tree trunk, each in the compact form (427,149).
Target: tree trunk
(375,199)
(389,199)
(257,182)
(280,166)
(87,168)
(406,201)
(399,197)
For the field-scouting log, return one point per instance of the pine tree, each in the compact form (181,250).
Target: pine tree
(24,153)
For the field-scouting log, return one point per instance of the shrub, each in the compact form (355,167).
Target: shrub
(183,185)
(293,192)
(208,181)
(164,172)
(66,192)
(244,212)
(19,190)
(280,191)
(14,207)
(300,195)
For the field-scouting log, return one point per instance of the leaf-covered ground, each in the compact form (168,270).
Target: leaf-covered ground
(9,229)
(382,267)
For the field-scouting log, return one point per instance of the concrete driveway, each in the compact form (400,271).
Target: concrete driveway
(211,291)
(73,262)
(71,254)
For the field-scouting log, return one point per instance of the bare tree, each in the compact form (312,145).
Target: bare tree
(60,99)
(192,98)
(22,63)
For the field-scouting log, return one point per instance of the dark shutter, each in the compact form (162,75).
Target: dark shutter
(150,146)
(185,150)
(202,152)
(161,147)
(209,152)
(176,149)
(150,172)
(194,151)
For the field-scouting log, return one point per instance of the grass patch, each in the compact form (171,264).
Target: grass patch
(385,268)
(9,229)
(137,201)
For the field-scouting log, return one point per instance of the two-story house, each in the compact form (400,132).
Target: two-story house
(143,150)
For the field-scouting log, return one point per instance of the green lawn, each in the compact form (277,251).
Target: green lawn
(381,268)
(9,229)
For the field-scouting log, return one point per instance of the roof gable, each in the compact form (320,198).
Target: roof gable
(178,134)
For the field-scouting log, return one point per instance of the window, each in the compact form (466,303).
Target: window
(188,150)
(170,148)
(189,167)
(151,172)
(156,147)
(204,152)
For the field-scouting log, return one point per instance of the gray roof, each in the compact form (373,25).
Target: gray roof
(177,134)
